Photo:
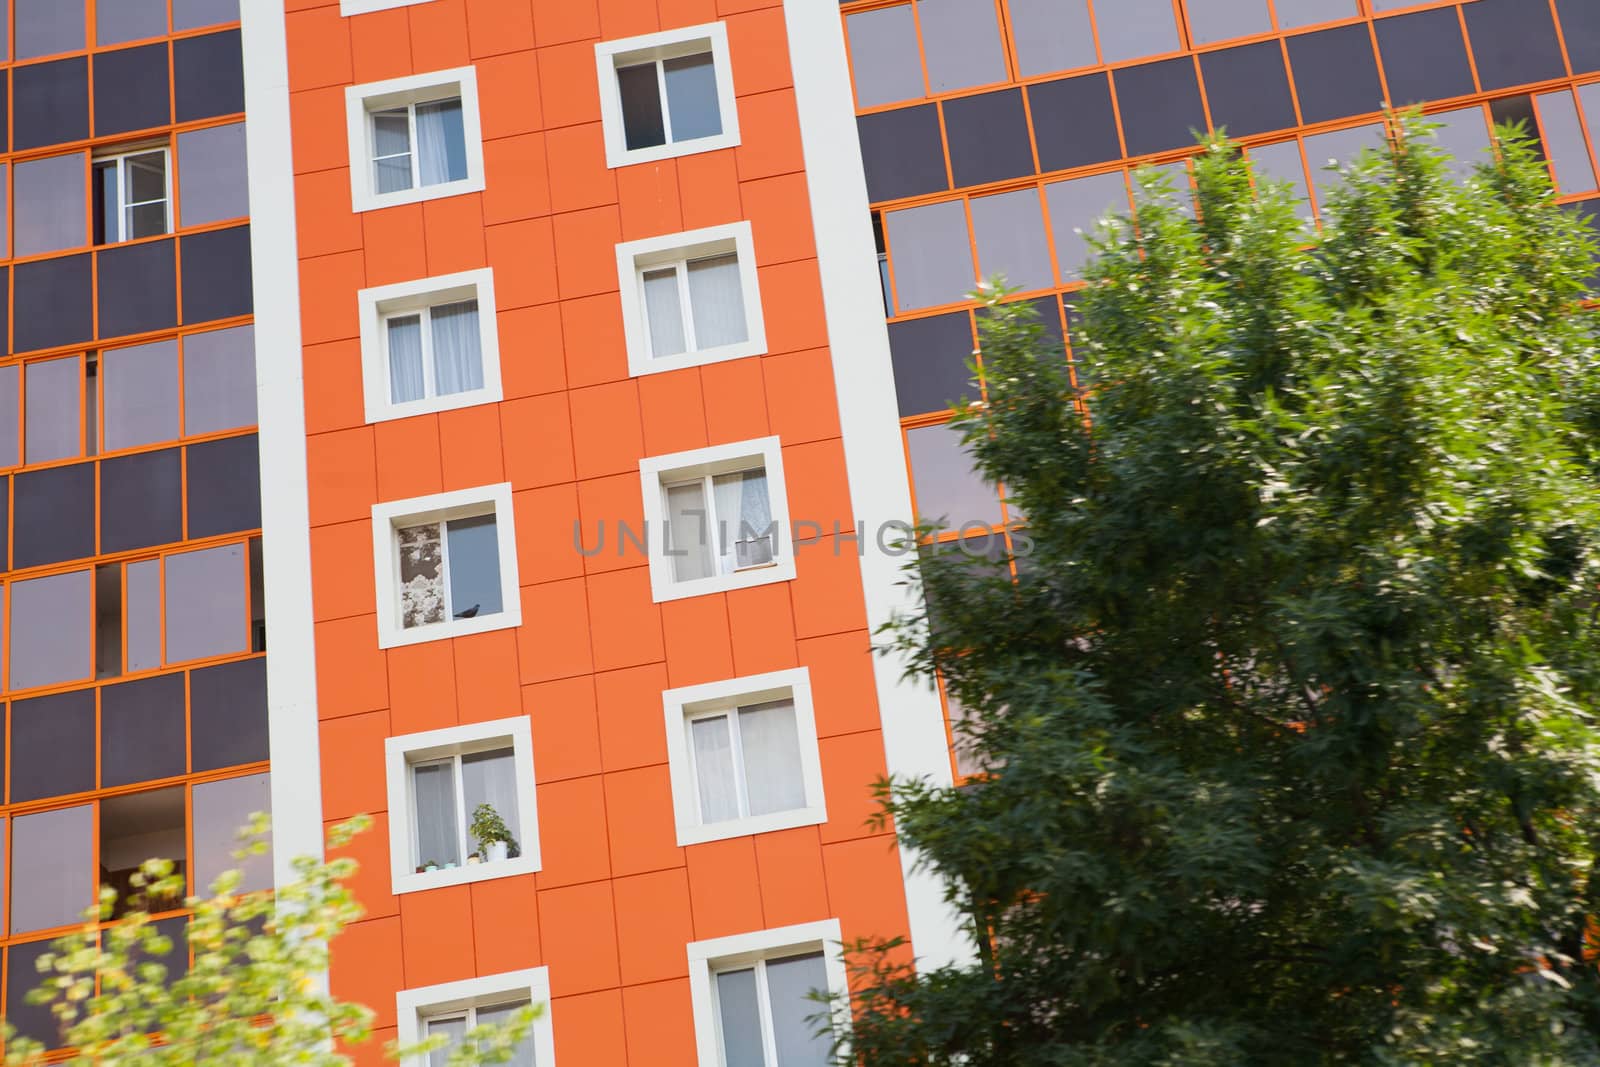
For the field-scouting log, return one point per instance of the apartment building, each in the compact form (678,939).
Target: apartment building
(605,346)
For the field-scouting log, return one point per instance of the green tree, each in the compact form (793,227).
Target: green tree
(254,995)
(1287,718)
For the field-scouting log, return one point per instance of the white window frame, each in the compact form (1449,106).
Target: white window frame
(362,100)
(668,44)
(707,958)
(634,258)
(406,751)
(361,7)
(658,472)
(387,518)
(379,304)
(413,1006)
(684,705)
(120,158)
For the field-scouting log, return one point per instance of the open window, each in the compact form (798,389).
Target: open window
(454,1009)
(446,565)
(753,996)
(718,519)
(429,345)
(667,94)
(743,756)
(461,805)
(690,298)
(414,138)
(131,195)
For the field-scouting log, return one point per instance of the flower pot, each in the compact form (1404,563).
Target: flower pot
(431,867)
(497,851)
(474,859)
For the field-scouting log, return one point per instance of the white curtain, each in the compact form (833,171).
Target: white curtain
(522,1055)
(441,145)
(744,513)
(457,353)
(713,769)
(688,534)
(391,149)
(771,744)
(491,778)
(662,308)
(433,785)
(405,359)
(718,302)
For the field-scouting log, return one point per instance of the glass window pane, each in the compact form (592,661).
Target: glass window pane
(205,598)
(1295,13)
(433,791)
(441,142)
(141,394)
(137,827)
(931,255)
(474,547)
(491,778)
(52,629)
(1076,208)
(145,220)
(947,487)
(421,575)
(770,742)
(116,21)
(692,97)
(454,1029)
(790,983)
(219,380)
(221,810)
(105,207)
(713,769)
(1220,20)
(640,89)
(1011,242)
(108,620)
(45,27)
(53,393)
(1464,134)
(688,532)
(406,378)
(884,56)
(742,507)
(50,199)
(1327,153)
(1564,143)
(661,301)
(146,177)
(5,210)
(1282,163)
(52,868)
(457,347)
(717,299)
(740,1018)
(10,415)
(193,14)
(500,1015)
(391,149)
(212,162)
(1051,35)
(1130,29)
(962,42)
(144,615)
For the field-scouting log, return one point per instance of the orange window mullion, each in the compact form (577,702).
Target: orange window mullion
(1377,58)
(1466,40)
(916,24)
(1561,37)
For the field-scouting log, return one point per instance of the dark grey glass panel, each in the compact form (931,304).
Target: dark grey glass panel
(141,394)
(474,548)
(141,501)
(219,380)
(196,14)
(1424,57)
(10,417)
(129,20)
(5,528)
(1248,89)
(739,1011)
(1160,106)
(221,810)
(884,56)
(55,516)
(52,102)
(208,76)
(216,275)
(228,714)
(212,162)
(205,600)
(137,288)
(1518,111)
(1211,21)
(46,27)
(932,255)
(1580,28)
(1051,35)
(962,42)
(691,97)
(1335,73)
(1130,29)
(130,89)
(930,359)
(1589,212)
(642,123)
(902,152)
(52,745)
(1073,123)
(988,137)
(22,975)
(141,730)
(1009,228)
(5,310)
(1049,318)
(1513,42)
(224,486)
(50,204)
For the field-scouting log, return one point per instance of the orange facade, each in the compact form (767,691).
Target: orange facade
(615,900)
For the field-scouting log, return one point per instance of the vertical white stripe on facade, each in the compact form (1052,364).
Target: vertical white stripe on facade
(913,721)
(280,403)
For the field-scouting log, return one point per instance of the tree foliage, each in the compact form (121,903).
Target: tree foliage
(1287,719)
(255,993)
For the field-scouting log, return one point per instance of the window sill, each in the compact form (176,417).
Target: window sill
(663,589)
(396,636)
(699,833)
(434,404)
(472,872)
(642,365)
(617,156)
(361,200)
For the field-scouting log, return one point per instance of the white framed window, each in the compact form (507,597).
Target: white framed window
(429,345)
(461,804)
(717,519)
(132,195)
(414,138)
(743,756)
(445,565)
(751,995)
(667,94)
(455,1008)
(690,298)
(361,7)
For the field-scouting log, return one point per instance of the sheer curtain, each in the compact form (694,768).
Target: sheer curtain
(713,769)
(744,513)
(717,297)
(662,308)
(687,532)
(453,1029)
(441,142)
(771,745)
(491,778)
(522,1055)
(789,983)
(434,790)
(391,149)
(405,359)
(457,352)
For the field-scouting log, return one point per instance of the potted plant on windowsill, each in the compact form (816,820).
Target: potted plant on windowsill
(492,834)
